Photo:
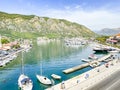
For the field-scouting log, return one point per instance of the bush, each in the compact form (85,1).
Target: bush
(4,41)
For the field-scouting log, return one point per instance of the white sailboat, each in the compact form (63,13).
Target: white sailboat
(24,82)
(43,79)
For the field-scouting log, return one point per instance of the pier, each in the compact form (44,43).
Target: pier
(73,69)
(7,58)
(90,78)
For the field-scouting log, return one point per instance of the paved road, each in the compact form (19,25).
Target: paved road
(110,83)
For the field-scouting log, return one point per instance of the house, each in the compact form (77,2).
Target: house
(114,39)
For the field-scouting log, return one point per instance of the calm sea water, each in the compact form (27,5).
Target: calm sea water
(54,56)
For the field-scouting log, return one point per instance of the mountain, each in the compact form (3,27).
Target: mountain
(108,31)
(31,26)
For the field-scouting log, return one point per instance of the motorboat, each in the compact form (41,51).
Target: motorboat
(92,56)
(86,60)
(55,76)
(100,49)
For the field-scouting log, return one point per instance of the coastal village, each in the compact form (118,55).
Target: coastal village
(10,50)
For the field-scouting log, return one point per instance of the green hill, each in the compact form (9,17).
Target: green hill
(31,26)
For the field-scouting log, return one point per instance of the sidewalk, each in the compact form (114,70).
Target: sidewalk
(90,78)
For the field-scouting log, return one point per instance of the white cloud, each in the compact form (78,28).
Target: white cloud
(94,20)
(77,6)
(67,7)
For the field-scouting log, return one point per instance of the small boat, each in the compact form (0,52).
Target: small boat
(86,60)
(92,56)
(113,50)
(55,76)
(44,80)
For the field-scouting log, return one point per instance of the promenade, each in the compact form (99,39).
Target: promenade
(90,78)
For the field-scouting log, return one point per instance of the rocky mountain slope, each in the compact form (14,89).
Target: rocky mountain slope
(31,26)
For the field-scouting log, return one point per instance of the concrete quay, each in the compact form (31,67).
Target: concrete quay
(70,70)
(4,60)
(90,78)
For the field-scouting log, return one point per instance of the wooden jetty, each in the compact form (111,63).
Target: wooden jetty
(70,70)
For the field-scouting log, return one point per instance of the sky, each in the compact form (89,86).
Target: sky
(94,14)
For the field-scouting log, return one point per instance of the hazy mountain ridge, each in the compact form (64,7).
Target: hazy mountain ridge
(31,26)
(109,31)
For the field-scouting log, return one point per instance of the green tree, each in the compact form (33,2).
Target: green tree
(4,41)
(102,39)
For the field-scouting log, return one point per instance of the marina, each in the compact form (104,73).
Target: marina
(53,64)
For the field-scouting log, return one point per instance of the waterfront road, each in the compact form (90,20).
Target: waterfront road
(110,83)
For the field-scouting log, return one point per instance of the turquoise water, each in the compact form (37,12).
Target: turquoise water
(54,56)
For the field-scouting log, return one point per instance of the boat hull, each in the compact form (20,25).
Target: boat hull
(100,51)
(56,76)
(44,80)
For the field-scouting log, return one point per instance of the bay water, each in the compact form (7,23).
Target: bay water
(54,57)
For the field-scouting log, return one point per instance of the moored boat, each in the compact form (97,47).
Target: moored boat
(44,80)
(55,76)
(100,49)
(24,82)
(92,56)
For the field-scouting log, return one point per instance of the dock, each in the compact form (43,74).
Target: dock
(7,58)
(105,57)
(85,80)
(73,69)
(70,70)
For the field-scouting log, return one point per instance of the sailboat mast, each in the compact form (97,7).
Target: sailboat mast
(41,63)
(41,69)
(0,41)
(22,64)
